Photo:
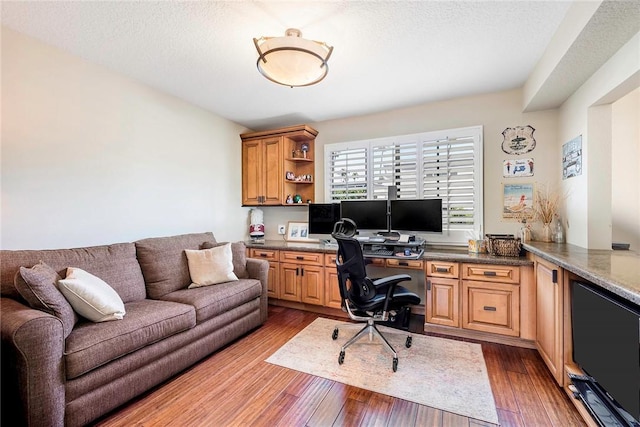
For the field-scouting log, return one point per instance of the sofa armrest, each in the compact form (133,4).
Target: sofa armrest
(259,269)
(32,365)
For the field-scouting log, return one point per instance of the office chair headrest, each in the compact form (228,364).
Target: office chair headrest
(344,228)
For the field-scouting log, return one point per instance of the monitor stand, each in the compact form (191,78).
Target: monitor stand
(389,235)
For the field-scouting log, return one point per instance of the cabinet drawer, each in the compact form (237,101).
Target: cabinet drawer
(302,257)
(443,269)
(376,262)
(415,264)
(268,254)
(330,260)
(491,307)
(491,273)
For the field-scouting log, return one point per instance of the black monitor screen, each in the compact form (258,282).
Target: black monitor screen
(322,217)
(367,214)
(416,215)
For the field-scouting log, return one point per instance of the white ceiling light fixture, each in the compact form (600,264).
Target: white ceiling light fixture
(291,60)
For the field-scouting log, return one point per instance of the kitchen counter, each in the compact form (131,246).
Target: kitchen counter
(431,253)
(616,271)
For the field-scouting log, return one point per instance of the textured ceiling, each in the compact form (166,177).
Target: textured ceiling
(387,54)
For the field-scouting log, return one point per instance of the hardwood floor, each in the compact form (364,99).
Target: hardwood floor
(236,387)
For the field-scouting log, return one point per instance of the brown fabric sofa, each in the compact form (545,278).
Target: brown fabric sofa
(52,380)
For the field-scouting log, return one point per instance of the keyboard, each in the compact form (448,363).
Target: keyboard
(378,252)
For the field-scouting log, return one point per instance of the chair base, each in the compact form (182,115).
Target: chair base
(370,329)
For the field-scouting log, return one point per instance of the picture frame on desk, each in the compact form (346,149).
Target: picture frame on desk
(298,232)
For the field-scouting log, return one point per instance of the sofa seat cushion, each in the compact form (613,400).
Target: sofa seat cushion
(211,301)
(91,345)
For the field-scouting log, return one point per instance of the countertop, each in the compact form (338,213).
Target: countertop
(616,271)
(431,253)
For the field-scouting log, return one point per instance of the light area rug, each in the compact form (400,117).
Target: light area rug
(437,372)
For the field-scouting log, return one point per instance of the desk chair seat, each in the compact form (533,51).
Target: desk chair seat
(369,300)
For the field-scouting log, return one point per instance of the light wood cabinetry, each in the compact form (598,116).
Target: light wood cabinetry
(302,277)
(549,316)
(331,286)
(491,298)
(273,280)
(443,292)
(278,163)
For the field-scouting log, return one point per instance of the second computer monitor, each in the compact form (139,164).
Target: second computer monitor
(416,215)
(367,214)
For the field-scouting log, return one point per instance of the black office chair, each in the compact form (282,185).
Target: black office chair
(369,300)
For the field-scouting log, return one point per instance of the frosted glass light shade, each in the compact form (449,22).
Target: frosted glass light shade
(292,60)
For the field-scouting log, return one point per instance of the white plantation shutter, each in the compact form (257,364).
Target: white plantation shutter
(395,165)
(347,173)
(442,164)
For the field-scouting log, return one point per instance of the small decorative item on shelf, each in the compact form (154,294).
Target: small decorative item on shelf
(256,228)
(525,232)
(545,207)
(297,199)
(304,147)
(503,245)
(558,235)
(290,176)
(289,199)
(296,154)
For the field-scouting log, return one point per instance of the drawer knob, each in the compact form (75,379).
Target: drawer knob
(489,273)
(263,255)
(442,269)
(489,308)
(404,264)
(300,257)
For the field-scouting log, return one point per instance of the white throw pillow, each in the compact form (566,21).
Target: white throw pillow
(210,266)
(90,296)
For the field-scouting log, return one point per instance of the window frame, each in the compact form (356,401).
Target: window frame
(456,236)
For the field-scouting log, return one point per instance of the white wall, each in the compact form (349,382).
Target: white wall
(91,157)
(625,161)
(495,112)
(588,205)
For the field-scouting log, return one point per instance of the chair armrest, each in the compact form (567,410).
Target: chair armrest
(259,269)
(390,283)
(32,365)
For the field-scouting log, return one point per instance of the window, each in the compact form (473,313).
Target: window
(442,164)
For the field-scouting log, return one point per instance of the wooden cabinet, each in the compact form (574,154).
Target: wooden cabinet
(273,280)
(331,286)
(276,164)
(549,316)
(443,293)
(491,298)
(302,277)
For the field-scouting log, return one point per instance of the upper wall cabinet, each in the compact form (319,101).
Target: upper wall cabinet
(278,165)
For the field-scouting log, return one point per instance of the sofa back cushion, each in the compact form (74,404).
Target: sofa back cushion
(164,263)
(115,264)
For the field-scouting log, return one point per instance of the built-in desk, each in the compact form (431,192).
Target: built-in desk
(462,294)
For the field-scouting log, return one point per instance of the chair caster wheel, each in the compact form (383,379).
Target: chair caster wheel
(341,358)
(395,364)
(335,334)
(408,343)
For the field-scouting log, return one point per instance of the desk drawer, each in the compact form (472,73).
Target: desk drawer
(491,307)
(491,273)
(443,269)
(302,257)
(415,264)
(268,254)
(330,260)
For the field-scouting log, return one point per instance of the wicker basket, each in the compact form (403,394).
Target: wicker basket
(503,246)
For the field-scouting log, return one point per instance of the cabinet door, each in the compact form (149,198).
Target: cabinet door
(273,280)
(311,284)
(252,172)
(289,283)
(549,325)
(442,301)
(491,307)
(273,175)
(331,286)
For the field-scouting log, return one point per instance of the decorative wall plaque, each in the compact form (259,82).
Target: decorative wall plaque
(518,140)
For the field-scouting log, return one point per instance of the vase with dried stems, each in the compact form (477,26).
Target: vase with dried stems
(545,207)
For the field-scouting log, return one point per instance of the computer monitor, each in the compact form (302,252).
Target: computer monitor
(322,217)
(367,214)
(416,215)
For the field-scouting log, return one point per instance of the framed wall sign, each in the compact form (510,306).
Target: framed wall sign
(517,200)
(298,232)
(572,158)
(516,168)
